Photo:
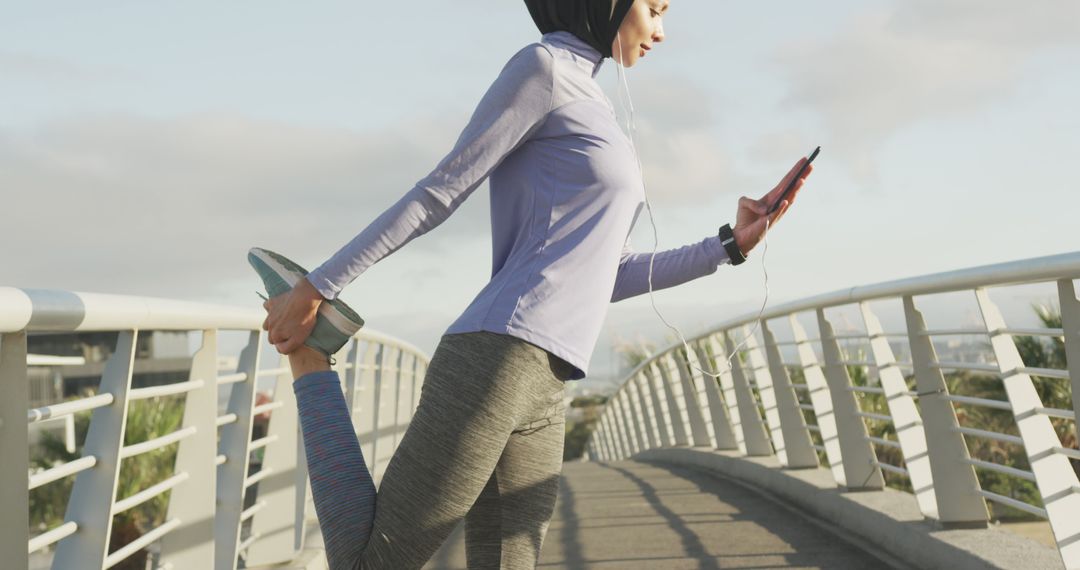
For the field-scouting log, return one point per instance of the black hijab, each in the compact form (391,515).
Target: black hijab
(596,22)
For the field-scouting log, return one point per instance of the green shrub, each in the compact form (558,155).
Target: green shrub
(147,419)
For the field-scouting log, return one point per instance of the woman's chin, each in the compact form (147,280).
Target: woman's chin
(626,60)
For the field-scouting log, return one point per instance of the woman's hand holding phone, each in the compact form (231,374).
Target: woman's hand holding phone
(749,227)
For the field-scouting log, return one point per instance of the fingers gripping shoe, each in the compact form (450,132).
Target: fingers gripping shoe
(335,322)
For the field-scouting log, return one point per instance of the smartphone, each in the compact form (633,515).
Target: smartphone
(791,185)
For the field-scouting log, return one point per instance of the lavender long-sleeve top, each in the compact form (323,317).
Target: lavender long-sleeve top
(565,193)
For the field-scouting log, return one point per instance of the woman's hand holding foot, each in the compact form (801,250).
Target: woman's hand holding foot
(291,317)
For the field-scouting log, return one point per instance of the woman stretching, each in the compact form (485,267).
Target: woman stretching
(485,443)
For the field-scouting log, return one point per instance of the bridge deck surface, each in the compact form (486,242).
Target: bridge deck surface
(635,515)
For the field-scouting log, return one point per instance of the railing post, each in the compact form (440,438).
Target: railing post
(798,446)
(622,445)
(599,438)
(235,445)
(617,449)
(727,389)
(637,427)
(14,493)
(618,443)
(700,379)
(402,395)
(767,395)
(905,415)
(753,428)
(603,435)
(92,497)
(956,488)
(352,377)
(636,408)
(1070,323)
(723,430)
(641,405)
(600,434)
(651,416)
(409,399)
(191,545)
(624,421)
(365,413)
(659,409)
(678,423)
(279,530)
(376,409)
(820,399)
(665,364)
(857,453)
(633,422)
(699,433)
(387,406)
(1054,475)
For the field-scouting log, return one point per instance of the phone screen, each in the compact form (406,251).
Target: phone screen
(791,184)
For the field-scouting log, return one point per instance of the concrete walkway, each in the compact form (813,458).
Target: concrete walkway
(631,515)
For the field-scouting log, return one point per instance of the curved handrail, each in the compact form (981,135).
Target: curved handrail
(1019,272)
(47,310)
(757,408)
(377,371)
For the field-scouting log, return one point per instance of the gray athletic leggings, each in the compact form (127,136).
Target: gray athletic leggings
(485,444)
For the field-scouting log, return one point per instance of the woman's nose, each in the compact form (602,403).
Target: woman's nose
(658,34)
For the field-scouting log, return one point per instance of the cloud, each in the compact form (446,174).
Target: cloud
(919,60)
(34,67)
(1016,25)
(117,203)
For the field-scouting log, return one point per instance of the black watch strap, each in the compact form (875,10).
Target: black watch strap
(727,238)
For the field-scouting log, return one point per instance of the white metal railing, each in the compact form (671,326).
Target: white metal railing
(206,524)
(755,408)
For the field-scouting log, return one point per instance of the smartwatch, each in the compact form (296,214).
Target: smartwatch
(727,238)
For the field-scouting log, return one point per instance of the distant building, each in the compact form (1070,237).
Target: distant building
(161,357)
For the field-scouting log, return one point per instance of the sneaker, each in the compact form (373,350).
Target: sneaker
(335,323)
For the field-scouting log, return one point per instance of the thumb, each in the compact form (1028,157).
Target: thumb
(757,207)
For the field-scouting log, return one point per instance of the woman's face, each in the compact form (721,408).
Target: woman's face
(640,29)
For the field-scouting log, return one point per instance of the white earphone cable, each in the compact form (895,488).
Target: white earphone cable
(631,129)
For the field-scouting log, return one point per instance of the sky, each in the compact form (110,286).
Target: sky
(144,147)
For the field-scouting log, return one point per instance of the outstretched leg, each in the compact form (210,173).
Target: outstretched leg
(341,485)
